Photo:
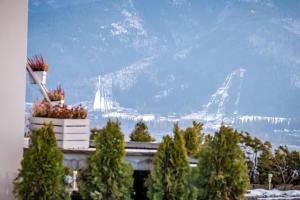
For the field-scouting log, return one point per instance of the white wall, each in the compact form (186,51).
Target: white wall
(13,48)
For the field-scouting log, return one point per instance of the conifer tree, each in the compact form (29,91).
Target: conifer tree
(222,172)
(286,165)
(193,137)
(94,132)
(140,133)
(108,176)
(169,178)
(293,167)
(265,163)
(252,148)
(42,172)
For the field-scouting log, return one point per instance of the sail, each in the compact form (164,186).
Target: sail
(101,101)
(97,100)
(102,104)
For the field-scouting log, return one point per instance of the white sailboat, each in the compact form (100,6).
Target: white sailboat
(97,97)
(101,101)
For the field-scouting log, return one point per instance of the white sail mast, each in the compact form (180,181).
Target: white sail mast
(97,99)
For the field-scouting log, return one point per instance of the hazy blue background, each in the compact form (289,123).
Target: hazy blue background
(168,57)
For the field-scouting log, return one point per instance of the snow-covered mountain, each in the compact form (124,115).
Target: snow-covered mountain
(235,61)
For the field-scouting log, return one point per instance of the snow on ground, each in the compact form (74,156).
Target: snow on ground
(273,193)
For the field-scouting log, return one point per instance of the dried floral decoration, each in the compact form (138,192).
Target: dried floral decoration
(57,95)
(43,109)
(37,63)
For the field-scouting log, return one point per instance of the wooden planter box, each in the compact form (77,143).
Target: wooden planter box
(69,133)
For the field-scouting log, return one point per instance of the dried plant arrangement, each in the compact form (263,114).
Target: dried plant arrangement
(37,63)
(57,94)
(44,109)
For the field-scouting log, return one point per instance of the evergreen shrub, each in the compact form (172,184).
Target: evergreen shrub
(42,172)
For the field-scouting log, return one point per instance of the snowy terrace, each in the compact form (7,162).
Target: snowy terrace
(262,194)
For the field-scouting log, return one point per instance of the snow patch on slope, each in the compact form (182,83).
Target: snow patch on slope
(292,26)
(255,118)
(163,93)
(133,115)
(129,25)
(295,80)
(216,107)
(118,29)
(182,54)
(125,77)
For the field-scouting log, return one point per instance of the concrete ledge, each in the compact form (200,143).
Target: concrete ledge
(142,145)
(139,154)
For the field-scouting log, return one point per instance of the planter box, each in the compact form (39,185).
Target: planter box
(69,133)
(40,75)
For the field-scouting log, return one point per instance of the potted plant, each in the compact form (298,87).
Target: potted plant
(71,125)
(57,96)
(39,68)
